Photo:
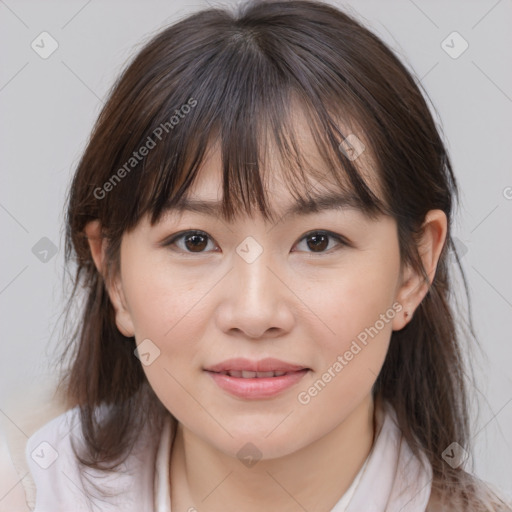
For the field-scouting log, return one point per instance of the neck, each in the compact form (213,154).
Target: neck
(313,478)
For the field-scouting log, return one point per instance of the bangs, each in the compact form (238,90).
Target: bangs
(273,99)
(251,108)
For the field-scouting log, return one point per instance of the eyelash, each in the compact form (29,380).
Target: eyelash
(341,240)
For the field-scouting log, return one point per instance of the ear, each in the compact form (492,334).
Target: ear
(97,246)
(413,287)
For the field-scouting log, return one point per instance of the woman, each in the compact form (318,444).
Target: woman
(261,222)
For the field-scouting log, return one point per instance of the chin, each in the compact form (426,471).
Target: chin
(257,443)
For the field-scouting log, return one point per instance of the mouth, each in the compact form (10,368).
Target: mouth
(245,374)
(247,368)
(252,385)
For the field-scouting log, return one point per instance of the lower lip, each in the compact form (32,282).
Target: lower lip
(255,388)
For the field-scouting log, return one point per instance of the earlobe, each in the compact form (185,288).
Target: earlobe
(401,320)
(406,297)
(97,246)
(414,286)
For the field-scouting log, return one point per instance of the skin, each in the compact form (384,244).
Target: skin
(291,303)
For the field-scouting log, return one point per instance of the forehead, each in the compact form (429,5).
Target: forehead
(313,190)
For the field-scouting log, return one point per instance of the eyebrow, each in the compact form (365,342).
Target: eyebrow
(327,201)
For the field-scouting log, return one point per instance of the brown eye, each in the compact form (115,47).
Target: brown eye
(192,241)
(196,243)
(318,241)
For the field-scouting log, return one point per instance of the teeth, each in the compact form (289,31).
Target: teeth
(251,375)
(265,374)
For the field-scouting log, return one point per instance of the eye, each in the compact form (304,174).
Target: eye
(318,241)
(193,241)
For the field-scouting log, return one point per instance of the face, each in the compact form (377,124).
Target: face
(317,291)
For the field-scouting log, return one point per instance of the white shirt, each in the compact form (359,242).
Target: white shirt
(390,480)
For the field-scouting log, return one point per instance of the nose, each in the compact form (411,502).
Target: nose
(255,299)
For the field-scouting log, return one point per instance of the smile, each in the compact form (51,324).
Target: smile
(251,375)
(256,385)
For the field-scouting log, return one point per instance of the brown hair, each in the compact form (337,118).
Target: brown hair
(239,73)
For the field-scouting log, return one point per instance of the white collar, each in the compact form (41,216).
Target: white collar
(163,458)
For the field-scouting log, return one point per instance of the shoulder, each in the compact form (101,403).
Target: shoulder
(52,441)
(23,414)
(63,483)
(52,463)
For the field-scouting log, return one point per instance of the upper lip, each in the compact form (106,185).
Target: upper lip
(263,365)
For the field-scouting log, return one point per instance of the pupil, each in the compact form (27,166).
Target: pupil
(318,245)
(196,242)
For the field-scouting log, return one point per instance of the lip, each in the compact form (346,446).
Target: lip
(258,387)
(264,365)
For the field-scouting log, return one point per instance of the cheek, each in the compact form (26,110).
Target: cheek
(360,312)
(358,309)
(167,310)
(356,299)
(160,298)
